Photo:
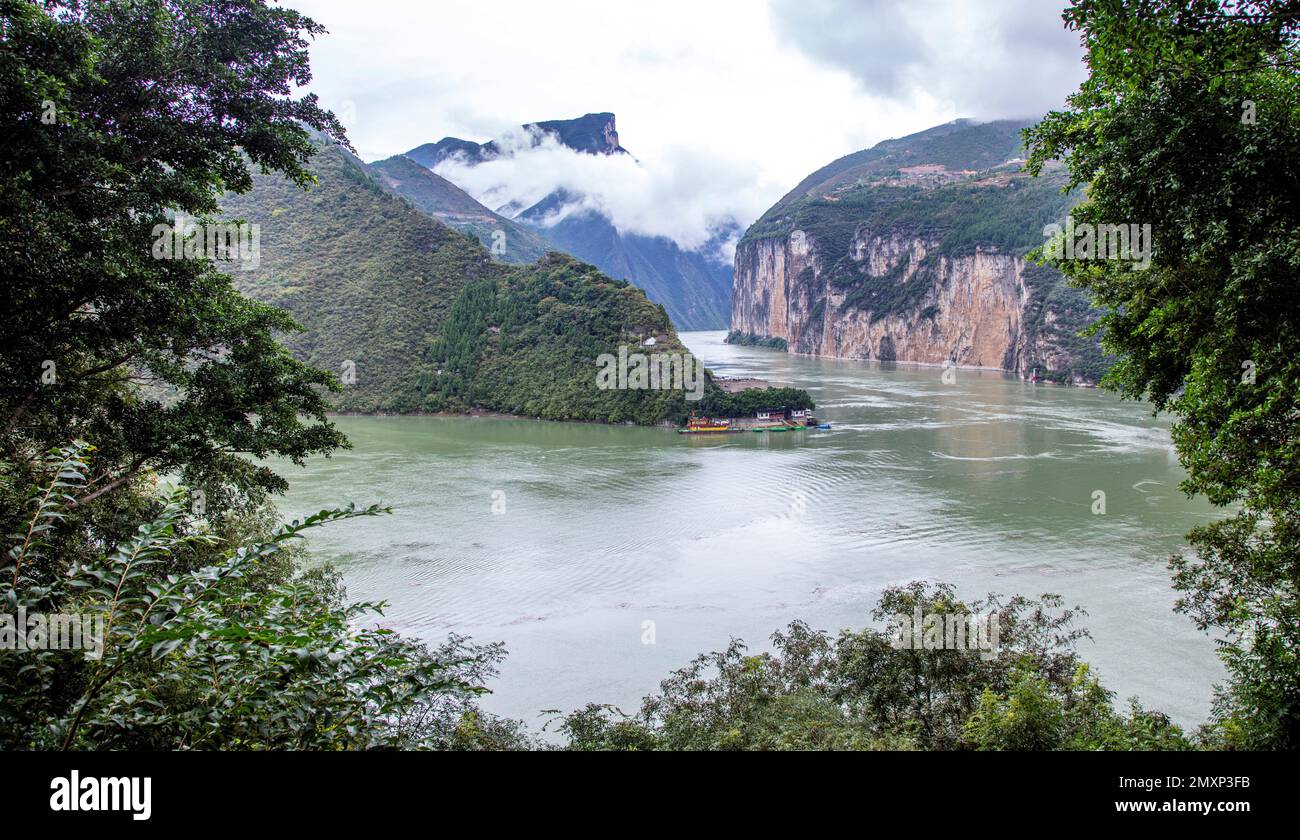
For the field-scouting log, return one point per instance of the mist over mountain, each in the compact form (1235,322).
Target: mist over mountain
(449,204)
(572,183)
(592,133)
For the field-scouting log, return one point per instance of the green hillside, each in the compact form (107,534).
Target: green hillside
(524,341)
(367,275)
(958,145)
(415,317)
(457,209)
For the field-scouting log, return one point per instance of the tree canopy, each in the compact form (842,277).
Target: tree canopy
(119,115)
(124,367)
(1188,122)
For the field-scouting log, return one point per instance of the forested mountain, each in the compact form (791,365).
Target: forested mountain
(524,341)
(414,316)
(914,250)
(367,275)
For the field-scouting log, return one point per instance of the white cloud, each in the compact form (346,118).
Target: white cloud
(726,104)
(684,194)
(985,59)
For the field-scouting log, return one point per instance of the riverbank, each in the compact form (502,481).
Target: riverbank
(478,414)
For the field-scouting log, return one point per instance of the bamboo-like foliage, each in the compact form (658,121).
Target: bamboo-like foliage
(213,658)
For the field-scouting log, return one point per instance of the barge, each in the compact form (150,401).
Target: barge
(764,420)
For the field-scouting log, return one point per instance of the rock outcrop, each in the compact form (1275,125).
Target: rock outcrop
(899,259)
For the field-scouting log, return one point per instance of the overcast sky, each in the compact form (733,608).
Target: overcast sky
(725,103)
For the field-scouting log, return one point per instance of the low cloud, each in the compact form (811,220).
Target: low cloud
(727,104)
(686,195)
(987,59)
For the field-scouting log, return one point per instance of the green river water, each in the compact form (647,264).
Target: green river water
(567,541)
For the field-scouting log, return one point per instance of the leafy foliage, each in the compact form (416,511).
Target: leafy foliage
(745,339)
(118,114)
(1188,123)
(242,654)
(719,403)
(857,691)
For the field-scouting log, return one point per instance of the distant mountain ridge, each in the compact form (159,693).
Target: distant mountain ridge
(694,286)
(654,264)
(591,133)
(449,204)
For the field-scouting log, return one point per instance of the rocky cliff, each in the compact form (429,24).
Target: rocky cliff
(972,313)
(910,253)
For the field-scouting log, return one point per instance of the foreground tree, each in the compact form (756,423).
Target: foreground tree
(1189,122)
(120,115)
(117,115)
(246,653)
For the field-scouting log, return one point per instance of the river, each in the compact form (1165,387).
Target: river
(576,544)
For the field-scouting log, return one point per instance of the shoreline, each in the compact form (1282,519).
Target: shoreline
(484,414)
(939,365)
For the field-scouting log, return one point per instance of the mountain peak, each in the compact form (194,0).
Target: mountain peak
(593,134)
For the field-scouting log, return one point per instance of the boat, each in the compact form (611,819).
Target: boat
(786,426)
(696,425)
(709,430)
(771,420)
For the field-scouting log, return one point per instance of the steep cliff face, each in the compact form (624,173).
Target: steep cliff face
(916,263)
(971,313)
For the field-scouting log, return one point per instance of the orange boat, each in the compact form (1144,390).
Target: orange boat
(696,425)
